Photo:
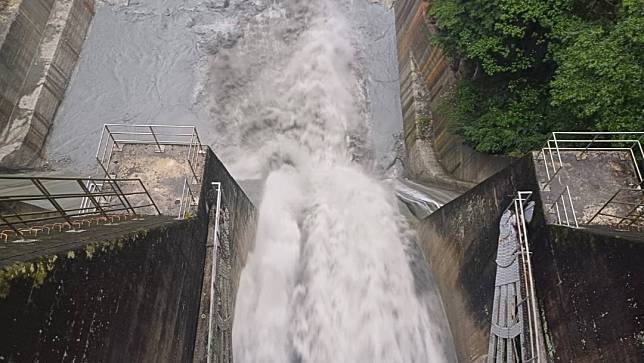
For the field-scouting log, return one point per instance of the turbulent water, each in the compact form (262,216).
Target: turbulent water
(329,279)
(300,96)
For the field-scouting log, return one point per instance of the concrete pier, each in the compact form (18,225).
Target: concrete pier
(41,43)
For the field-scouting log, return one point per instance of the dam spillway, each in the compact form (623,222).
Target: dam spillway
(306,222)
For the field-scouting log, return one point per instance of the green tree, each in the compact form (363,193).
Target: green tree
(600,72)
(542,66)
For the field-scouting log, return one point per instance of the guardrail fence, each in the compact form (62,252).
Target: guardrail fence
(564,209)
(584,142)
(624,210)
(39,205)
(114,136)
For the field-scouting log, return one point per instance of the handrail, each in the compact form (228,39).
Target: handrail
(95,200)
(566,200)
(115,136)
(213,274)
(635,214)
(566,141)
(524,247)
(187,199)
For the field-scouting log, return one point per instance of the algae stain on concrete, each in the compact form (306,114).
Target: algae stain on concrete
(38,270)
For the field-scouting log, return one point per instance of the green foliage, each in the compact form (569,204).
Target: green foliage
(541,66)
(600,74)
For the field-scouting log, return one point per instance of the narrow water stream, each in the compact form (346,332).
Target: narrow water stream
(301,98)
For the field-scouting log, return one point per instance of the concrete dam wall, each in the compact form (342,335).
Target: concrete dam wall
(588,281)
(132,292)
(434,152)
(460,243)
(41,41)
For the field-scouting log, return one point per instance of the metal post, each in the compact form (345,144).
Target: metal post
(572,207)
(111,136)
(183,193)
(554,136)
(198,140)
(545,163)
(213,272)
(604,206)
(637,167)
(91,198)
(554,167)
(563,204)
(557,208)
(156,140)
(11,226)
(627,216)
(637,219)
(119,193)
(587,146)
(150,197)
(51,200)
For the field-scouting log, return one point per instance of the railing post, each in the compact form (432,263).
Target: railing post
(51,200)
(11,226)
(572,207)
(604,206)
(156,141)
(112,137)
(637,219)
(554,136)
(119,194)
(182,200)
(91,197)
(587,146)
(149,197)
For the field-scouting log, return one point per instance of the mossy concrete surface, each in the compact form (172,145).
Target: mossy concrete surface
(127,292)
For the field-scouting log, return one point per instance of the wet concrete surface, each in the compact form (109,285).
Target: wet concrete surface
(58,242)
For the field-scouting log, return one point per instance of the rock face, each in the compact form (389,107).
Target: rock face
(41,44)
(426,78)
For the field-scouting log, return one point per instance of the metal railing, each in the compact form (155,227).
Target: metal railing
(584,142)
(526,263)
(564,209)
(626,213)
(114,136)
(188,200)
(214,277)
(67,203)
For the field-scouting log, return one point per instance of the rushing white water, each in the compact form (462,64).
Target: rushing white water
(300,96)
(329,279)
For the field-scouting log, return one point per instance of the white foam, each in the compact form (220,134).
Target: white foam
(329,279)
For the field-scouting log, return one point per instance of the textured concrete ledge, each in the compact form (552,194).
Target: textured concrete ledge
(591,293)
(460,241)
(39,52)
(435,154)
(588,281)
(134,292)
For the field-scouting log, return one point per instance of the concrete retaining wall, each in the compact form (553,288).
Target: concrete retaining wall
(132,298)
(460,242)
(591,292)
(588,281)
(120,295)
(237,226)
(426,78)
(42,41)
